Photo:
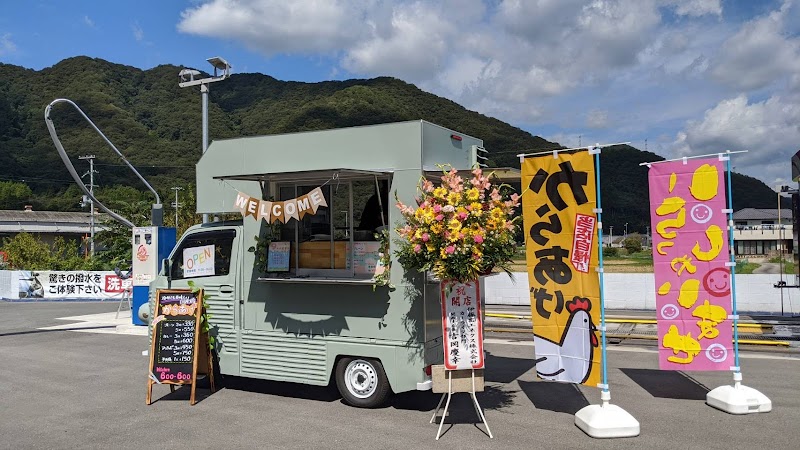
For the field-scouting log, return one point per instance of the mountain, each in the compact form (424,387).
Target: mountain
(157,126)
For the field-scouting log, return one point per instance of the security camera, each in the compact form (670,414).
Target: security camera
(188,74)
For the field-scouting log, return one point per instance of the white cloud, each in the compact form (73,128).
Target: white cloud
(761,53)
(617,70)
(138,33)
(412,44)
(597,119)
(695,8)
(88,21)
(769,130)
(279,26)
(6,45)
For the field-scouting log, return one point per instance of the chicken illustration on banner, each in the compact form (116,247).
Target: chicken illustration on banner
(693,294)
(558,205)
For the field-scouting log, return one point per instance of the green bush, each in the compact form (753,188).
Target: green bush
(610,252)
(632,244)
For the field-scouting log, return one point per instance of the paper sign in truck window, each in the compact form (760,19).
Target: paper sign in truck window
(278,257)
(198,261)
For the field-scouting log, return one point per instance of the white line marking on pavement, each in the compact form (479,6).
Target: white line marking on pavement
(743,355)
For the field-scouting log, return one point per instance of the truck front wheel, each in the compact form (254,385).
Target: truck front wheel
(362,382)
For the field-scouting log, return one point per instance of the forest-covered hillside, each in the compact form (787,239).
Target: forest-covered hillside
(157,125)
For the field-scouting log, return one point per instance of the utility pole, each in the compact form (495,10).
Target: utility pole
(611,236)
(176,205)
(91,173)
(580,140)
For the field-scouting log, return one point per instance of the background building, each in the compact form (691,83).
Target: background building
(762,232)
(47,225)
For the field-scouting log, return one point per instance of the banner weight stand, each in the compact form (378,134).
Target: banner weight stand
(736,399)
(604,420)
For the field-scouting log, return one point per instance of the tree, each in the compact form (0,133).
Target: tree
(27,252)
(14,195)
(633,243)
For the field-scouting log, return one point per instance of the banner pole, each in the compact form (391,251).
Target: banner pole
(736,399)
(604,420)
(734,310)
(600,272)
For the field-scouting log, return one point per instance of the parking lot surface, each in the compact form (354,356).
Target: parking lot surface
(68,389)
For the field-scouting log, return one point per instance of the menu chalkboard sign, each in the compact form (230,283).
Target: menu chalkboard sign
(175,348)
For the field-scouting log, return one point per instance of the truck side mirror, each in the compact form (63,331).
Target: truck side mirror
(165,269)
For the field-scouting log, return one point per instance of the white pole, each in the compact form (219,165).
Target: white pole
(204,95)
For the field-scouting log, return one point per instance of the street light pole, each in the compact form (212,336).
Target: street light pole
(176,205)
(626,230)
(611,236)
(222,70)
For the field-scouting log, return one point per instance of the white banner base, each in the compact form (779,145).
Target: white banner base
(738,399)
(606,420)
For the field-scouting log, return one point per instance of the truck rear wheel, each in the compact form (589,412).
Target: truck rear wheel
(362,382)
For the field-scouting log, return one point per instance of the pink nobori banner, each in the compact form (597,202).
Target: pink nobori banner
(690,252)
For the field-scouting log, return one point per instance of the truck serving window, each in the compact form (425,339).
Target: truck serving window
(222,240)
(337,240)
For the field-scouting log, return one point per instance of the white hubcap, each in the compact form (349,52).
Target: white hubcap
(360,378)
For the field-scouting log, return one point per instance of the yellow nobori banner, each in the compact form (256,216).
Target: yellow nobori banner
(558,205)
(295,208)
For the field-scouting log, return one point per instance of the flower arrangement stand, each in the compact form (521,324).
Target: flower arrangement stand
(449,394)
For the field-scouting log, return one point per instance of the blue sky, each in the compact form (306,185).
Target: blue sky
(680,77)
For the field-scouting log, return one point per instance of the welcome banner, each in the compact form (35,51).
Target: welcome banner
(295,208)
(558,205)
(690,251)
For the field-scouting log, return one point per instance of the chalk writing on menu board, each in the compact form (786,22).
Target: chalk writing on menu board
(174,338)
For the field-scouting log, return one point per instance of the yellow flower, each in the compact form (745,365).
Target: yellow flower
(473,194)
(454,225)
(443,254)
(497,213)
(453,198)
(429,247)
(437,228)
(477,209)
(439,192)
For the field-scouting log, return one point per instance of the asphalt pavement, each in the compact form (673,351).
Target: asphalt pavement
(60,388)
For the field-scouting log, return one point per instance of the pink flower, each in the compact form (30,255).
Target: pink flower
(427,186)
(439,217)
(450,249)
(478,238)
(462,216)
(496,195)
(426,237)
(417,248)
(437,208)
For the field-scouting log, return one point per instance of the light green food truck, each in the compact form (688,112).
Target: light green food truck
(320,317)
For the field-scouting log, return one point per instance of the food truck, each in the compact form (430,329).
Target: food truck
(290,285)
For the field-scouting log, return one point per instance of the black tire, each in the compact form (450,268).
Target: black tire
(362,382)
